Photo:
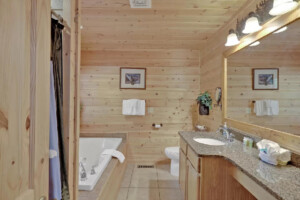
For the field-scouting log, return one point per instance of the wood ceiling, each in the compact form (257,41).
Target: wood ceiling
(169,24)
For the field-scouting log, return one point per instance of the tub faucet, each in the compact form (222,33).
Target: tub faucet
(83,175)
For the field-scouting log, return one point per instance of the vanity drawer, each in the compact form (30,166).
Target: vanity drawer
(183,146)
(194,159)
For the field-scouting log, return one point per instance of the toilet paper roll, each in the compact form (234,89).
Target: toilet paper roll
(157,126)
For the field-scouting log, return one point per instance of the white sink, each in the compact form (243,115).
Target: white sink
(209,141)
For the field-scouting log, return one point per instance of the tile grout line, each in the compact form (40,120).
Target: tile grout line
(127,195)
(157,183)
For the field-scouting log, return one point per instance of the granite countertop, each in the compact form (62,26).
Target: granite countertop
(282,182)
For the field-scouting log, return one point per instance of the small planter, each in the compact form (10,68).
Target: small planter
(203,110)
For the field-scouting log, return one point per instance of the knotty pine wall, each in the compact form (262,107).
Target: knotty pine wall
(241,95)
(212,64)
(173,81)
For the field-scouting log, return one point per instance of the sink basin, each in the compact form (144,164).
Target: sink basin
(209,141)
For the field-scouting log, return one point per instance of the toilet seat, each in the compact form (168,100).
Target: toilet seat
(172,153)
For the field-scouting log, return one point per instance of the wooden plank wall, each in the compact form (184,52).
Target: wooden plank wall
(212,63)
(172,85)
(241,95)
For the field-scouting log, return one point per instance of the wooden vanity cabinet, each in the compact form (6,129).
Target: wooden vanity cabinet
(192,182)
(189,176)
(182,170)
(208,178)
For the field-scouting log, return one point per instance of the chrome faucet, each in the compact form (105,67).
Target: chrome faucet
(83,175)
(225,132)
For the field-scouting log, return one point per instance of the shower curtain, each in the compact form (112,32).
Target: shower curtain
(56,55)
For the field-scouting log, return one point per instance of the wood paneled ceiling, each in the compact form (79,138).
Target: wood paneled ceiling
(169,24)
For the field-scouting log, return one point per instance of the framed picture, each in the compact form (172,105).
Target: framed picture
(133,78)
(265,79)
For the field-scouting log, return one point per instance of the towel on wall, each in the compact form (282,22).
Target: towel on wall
(266,107)
(134,107)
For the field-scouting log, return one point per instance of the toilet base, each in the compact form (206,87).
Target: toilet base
(174,168)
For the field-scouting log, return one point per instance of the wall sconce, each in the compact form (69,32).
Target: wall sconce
(281,7)
(252,24)
(232,39)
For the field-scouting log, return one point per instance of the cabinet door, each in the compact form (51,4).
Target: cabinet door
(182,171)
(193,183)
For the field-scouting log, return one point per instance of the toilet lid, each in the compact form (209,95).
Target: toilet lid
(172,152)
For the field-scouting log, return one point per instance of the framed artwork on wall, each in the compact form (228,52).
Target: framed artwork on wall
(265,79)
(133,78)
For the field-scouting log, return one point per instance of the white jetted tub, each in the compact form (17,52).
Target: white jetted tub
(90,150)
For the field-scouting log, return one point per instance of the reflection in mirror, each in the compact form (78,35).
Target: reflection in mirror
(264,82)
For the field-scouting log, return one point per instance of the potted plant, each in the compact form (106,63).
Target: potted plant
(205,103)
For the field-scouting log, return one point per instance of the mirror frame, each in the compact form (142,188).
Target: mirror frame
(286,140)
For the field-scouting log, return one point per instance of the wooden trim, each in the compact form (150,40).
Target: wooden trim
(225,91)
(133,88)
(76,31)
(253,77)
(254,188)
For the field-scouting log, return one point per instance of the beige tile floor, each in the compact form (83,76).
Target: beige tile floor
(149,184)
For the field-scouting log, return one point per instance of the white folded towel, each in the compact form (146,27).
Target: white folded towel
(114,153)
(284,155)
(272,153)
(264,157)
(134,107)
(266,107)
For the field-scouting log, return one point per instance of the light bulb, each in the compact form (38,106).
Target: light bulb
(281,7)
(232,39)
(252,25)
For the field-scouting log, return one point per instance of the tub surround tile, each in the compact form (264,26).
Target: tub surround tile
(106,135)
(282,182)
(128,175)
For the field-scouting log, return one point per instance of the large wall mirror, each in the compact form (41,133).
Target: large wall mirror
(263,81)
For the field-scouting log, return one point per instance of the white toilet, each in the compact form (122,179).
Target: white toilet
(173,154)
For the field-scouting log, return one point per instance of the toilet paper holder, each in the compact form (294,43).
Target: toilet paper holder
(161,125)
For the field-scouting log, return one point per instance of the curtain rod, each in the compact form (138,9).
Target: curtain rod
(61,20)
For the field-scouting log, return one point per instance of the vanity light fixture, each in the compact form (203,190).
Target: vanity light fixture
(232,39)
(281,30)
(255,44)
(281,7)
(252,24)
